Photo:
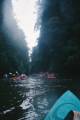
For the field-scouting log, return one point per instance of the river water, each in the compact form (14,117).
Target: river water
(30,99)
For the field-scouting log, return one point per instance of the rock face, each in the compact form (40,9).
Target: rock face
(13,48)
(59,42)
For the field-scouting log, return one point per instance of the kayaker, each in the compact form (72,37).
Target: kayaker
(73,115)
(70,116)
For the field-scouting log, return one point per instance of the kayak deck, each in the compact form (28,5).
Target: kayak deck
(66,103)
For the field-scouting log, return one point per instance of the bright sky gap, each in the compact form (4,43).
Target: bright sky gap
(25,12)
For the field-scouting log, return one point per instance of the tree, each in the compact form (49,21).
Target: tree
(59,41)
(13,48)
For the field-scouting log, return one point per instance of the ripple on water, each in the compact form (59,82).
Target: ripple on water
(26,104)
(34,96)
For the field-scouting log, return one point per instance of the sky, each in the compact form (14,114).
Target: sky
(25,13)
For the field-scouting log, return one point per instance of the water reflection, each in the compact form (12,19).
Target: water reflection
(29,99)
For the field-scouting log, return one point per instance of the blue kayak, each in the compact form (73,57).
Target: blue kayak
(66,103)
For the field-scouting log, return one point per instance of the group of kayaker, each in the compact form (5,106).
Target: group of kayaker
(15,76)
(48,75)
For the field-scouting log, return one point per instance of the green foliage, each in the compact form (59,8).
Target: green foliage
(13,58)
(59,42)
(13,49)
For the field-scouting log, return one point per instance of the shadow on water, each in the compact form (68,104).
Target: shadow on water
(30,99)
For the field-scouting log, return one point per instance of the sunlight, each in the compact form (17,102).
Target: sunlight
(26,17)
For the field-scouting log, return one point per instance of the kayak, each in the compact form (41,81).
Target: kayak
(66,103)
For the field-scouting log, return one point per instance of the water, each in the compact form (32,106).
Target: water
(30,99)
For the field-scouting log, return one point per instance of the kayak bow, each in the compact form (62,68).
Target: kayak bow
(66,103)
